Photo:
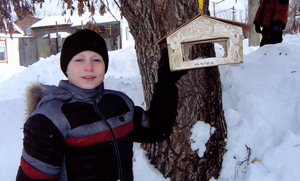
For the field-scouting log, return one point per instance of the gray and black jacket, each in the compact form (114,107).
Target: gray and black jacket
(77,134)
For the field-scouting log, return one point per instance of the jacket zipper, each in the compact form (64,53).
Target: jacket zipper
(114,140)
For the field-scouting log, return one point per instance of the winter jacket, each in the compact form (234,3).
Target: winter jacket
(77,134)
(272,12)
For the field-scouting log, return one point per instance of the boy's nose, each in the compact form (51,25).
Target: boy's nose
(88,66)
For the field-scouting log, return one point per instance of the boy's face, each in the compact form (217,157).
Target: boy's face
(86,70)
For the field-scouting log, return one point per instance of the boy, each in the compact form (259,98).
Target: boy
(81,131)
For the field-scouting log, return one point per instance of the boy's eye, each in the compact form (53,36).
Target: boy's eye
(79,60)
(97,60)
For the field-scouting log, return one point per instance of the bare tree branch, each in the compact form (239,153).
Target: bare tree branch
(107,8)
(117,3)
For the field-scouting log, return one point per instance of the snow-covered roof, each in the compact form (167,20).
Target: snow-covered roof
(18,29)
(74,20)
(51,21)
(17,32)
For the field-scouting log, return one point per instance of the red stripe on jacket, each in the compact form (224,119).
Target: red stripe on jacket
(33,173)
(100,137)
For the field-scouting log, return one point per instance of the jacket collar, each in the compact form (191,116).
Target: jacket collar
(84,95)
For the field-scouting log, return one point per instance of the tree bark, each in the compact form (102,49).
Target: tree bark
(254,38)
(200,92)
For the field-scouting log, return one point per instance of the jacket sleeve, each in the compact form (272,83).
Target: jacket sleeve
(43,146)
(163,107)
(281,14)
(258,13)
(155,125)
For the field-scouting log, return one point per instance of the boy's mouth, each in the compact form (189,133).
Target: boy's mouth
(89,77)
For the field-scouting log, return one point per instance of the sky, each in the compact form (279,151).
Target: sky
(261,102)
(224,9)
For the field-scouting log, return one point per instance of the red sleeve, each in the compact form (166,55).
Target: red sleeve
(33,173)
(281,13)
(43,150)
(258,12)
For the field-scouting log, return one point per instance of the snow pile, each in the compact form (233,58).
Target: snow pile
(261,99)
(201,133)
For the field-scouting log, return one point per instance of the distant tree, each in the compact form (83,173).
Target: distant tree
(225,14)
(244,15)
(293,23)
(200,91)
(21,8)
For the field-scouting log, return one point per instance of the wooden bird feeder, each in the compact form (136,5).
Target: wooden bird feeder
(226,36)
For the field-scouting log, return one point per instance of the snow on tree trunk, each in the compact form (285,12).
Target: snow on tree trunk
(200,92)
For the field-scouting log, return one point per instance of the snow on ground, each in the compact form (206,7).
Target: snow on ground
(261,100)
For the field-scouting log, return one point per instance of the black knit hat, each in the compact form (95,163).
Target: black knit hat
(81,41)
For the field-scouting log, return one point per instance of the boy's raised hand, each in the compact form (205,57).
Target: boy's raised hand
(164,72)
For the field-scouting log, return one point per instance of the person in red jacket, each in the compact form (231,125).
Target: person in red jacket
(272,16)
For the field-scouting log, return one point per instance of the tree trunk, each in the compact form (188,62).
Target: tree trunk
(200,92)
(254,38)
